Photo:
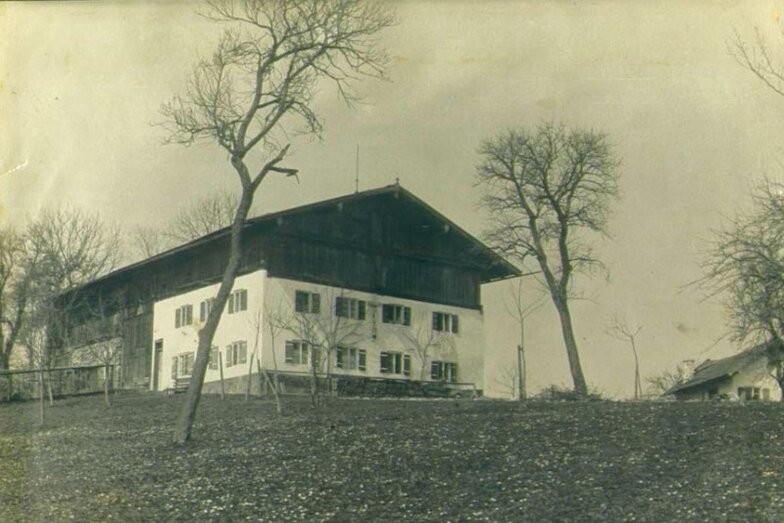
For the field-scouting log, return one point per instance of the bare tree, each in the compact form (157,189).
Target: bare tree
(758,58)
(325,329)
(423,341)
(745,267)
(17,271)
(146,242)
(541,189)
(520,311)
(101,340)
(668,379)
(275,322)
(620,330)
(257,87)
(208,214)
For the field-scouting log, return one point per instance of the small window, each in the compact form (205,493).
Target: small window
(183,316)
(297,352)
(214,358)
(236,353)
(445,322)
(395,363)
(205,308)
(350,358)
(350,308)
(238,301)
(182,365)
(307,302)
(443,371)
(396,314)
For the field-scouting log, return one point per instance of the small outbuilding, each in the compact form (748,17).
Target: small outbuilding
(744,376)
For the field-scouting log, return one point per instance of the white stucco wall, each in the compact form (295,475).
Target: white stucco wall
(753,375)
(464,348)
(239,326)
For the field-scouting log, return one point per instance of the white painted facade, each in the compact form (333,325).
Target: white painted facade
(276,297)
(755,375)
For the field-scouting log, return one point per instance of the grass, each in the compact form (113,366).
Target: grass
(392,460)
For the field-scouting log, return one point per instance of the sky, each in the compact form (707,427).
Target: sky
(81,85)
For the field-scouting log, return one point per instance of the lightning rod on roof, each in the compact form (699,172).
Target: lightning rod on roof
(356,172)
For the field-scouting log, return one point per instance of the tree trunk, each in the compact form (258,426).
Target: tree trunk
(41,392)
(187,415)
(250,374)
(106,386)
(49,387)
(580,386)
(220,371)
(313,379)
(521,373)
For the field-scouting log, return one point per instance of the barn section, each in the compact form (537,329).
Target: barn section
(383,241)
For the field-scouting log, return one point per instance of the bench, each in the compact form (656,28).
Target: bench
(180,385)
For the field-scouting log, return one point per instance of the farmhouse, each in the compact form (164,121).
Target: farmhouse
(743,376)
(375,287)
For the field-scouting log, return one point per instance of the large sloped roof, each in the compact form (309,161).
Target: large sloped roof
(494,266)
(711,370)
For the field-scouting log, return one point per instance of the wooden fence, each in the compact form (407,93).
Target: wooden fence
(18,385)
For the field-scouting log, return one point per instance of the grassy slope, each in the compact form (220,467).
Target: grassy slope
(360,460)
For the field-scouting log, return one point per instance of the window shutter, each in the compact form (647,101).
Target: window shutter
(243,352)
(407,365)
(434,370)
(340,307)
(339,357)
(174,368)
(453,374)
(289,357)
(300,301)
(386,313)
(436,322)
(231,303)
(203,311)
(406,315)
(214,358)
(244,300)
(189,314)
(362,360)
(454,323)
(384,362)
(229,359)
(315,303)
(177,318)
(361,306)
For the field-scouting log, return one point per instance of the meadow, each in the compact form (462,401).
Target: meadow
(392,460)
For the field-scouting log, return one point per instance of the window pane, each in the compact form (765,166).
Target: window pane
(315,305)
(361,306)
(406,315)
(454,323)
(384,362)
(301,301)
(362,360)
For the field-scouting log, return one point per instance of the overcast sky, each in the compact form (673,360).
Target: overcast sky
(82,84)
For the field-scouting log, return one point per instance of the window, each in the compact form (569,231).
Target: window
(297,352)
(307,302)
(182,365)
(749,393)
(445,322)
(214,358)
(395,363)
(443,371)
(183,316)
(350,358)
(398,314)
(204,309)
(350,308)
(238,301)
(236,353)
